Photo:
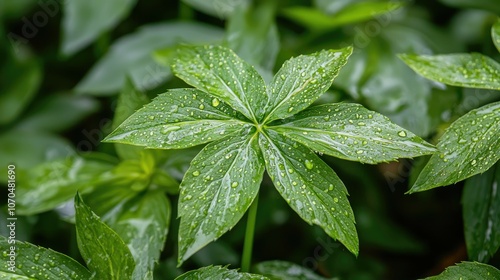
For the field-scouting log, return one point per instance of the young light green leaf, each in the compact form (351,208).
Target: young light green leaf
(220,184)
(495,34)
(143,225)
(350,131)
(219,273)
(282,270)
(301,80)
(131,56)
(220,72)
(102,249)
(176,119)
(316,19)
(468,271)
(465,70)
(34,262)
(310,187)
(464,152)
(481,214)
(52,183)
(84,21)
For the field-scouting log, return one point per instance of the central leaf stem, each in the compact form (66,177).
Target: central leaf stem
(249,234)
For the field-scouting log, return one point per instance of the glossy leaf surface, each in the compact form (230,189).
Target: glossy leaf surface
(179,118)
(351,132)
(220,184)
(468,147)
(310,187)
(464,70)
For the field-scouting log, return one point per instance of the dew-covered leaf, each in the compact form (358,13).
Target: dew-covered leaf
(481,214)
(52,183)
(103,250)
(220,72)
(464,70)
(131,56)
(350,131)
(84,21)
(176,119)
(468,271)
(282,270)
(219,273)
(301,80)
(316,19)
(221,183)
(310,187)
(34,262)
(469,146)
(495,34)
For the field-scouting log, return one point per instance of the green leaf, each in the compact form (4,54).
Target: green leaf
(176,119)
(220,72)
(52,183)
(495,34)
(253,35)
(219,8)
(84,21)
(316,19)
(129,101)
(20,80)
(350,131)
(34,262)
(465,70)
(282,270)
(219,273)
(143,225)
(301,80)
(221,183)
(310,187)
(468,271)
(481,214)
(464,152)
(102,249)
(131,56)
(58,112)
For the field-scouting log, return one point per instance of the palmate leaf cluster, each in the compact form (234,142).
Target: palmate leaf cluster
(250,127)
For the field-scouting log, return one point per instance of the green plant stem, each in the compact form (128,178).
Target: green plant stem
(249,234)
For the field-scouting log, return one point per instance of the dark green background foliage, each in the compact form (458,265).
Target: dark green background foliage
(251,139)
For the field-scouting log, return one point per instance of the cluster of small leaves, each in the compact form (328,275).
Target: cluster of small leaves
(252,126)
